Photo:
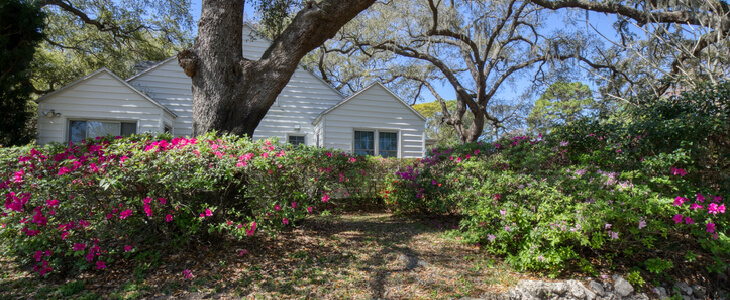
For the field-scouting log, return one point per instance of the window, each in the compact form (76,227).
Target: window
(364,142)
(79,130)
(386,145)
(296,140)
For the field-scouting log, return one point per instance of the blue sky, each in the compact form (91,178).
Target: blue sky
(603,23)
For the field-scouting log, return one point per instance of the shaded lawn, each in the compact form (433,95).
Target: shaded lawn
(350,256)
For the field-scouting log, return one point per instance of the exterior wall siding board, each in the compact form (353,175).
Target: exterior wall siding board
(85,102)
(375,108)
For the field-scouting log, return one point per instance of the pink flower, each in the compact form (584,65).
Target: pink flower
(608,226)
(285,221)
(710,227)
(497,197)
(688,220)
(162,200)
(678,201)
(293,205)
(146,200)
(52,203)
(125,214)
(187,273)
(491,237)
(309,209)
(677,218)
(325,198)
(642,224)
(168,218)
(250,232)
(700,198)
(277,207)
(613,235)
(242,252)
(18,176)
(100,265)
(127,248)
(476,152)
(695,206)
(208,213)
(714,208)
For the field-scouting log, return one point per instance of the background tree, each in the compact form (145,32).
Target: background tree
(662,45)
(20,32)
(475,47)
(82,36)
(561,103)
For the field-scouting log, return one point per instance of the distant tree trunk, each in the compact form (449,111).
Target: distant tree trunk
(231,94)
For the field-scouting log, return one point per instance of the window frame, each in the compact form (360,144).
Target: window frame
(86,129)
(376,140)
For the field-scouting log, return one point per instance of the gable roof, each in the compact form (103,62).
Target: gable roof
(145,71)
(110,73)
(377,83)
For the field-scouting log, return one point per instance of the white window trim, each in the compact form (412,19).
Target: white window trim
(376,136)
(67,134)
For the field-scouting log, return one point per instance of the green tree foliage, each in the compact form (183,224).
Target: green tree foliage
(561,103)
(435,127)
(82,36)
(20,31)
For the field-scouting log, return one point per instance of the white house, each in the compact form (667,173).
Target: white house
(159,99)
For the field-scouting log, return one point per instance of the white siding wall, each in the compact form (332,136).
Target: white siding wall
(374,108)
(301,101)
(169,86)
(101,97)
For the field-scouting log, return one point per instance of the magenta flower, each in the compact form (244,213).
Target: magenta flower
(52,203)
(325,198)
(100,265)
(208,213)
(285,221)
(688,220)
(125,214)
(146,200)
(679,200)
(38,255)
(710,227)
(293,205)
(168,218)
(677,218)
(695,206)
(277,207)
(127,248)
(714,208)
(309,209)
(700,198)
(187,273)
(242,252)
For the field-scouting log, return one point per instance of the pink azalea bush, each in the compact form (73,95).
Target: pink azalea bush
(83,205)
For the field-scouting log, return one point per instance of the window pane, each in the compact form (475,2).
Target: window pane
(94,129)
(77,133)
(388,144)
(364,142)
(295,140)
(131,128)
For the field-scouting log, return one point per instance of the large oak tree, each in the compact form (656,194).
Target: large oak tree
(232,94)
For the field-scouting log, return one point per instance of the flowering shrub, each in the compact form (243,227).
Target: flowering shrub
(81,206)
(544,202)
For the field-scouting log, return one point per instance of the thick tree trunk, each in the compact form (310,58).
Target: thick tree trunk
(232,95)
